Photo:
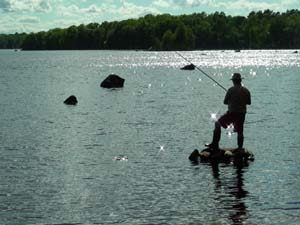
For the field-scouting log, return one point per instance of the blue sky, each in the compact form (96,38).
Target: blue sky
(37,15)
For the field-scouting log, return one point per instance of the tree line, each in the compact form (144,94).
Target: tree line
(259,30)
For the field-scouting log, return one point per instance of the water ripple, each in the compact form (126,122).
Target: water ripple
(120,156)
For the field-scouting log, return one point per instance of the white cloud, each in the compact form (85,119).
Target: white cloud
(62,23)
(199,2)
(247,6)
(29,20)
(25,5)
(193,3)
(9,24)
(109,9)
(75,11)
(92,9)
(163,3)
(235,7)
(67,11)
(130,10)
(290,2)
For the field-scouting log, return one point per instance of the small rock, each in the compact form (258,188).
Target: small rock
(72,100)
(205,154)
(228,153)
(188,67)
(194,156)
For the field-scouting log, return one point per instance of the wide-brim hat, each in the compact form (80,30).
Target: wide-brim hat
(236,76)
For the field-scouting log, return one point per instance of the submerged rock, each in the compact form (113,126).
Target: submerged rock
(113,81)
(188,67)
(120,158)
(72,100)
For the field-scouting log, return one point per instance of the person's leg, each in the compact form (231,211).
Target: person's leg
(239,125)
(223,121)
(240,139)
(216,137)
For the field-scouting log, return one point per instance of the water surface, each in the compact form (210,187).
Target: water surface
(57,162)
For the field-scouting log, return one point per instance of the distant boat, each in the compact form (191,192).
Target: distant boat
(295,52)
(237,50)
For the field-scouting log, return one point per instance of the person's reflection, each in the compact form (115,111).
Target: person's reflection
(235,187)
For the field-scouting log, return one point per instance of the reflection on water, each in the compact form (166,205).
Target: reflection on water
(229,190)
(234,186)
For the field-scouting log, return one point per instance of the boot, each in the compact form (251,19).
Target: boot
(216,138)
(211,145)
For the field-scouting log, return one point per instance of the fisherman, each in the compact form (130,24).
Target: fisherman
(237,97)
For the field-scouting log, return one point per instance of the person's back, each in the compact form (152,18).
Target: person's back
(237,98)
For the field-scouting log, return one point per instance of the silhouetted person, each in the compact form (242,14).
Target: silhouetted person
(237,98)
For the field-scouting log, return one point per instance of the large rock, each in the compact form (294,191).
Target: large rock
(188,67)
(72,100)
(223,155)
(113,81)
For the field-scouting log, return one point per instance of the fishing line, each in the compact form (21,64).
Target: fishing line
(202,71)
(213,116)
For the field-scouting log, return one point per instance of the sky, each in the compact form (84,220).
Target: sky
(42,15)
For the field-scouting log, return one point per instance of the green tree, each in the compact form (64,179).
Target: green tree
(184,38)
(168,40)
(261,29)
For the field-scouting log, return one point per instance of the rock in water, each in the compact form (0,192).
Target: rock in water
(188,67)
(194,157)
(113,81)
(72,100)
(223,155)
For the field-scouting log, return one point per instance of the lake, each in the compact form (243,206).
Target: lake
(58,163)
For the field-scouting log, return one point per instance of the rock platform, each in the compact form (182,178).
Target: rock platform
(222,155)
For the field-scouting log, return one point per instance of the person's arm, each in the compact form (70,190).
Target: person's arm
(249,98)
(226,99)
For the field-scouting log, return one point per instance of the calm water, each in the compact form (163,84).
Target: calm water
(57,163)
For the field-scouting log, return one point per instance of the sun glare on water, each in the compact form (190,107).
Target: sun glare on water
(229,130)
(213,116)
(161,148)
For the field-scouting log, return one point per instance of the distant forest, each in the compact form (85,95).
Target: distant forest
(259,30)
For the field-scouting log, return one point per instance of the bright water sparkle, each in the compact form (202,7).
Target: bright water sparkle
(120,156)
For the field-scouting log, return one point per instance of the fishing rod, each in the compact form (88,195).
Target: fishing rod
(201,71)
